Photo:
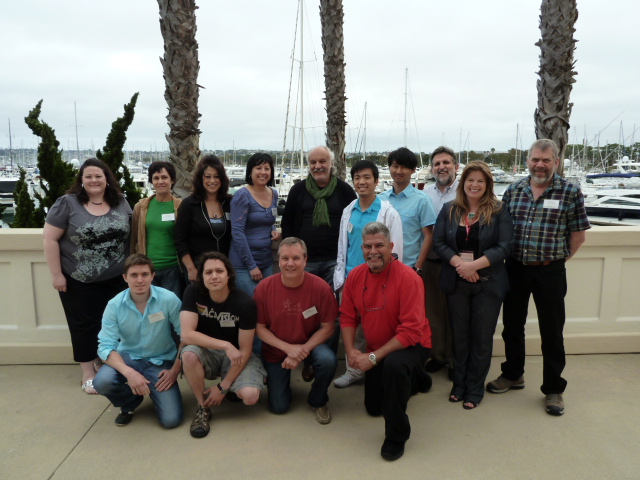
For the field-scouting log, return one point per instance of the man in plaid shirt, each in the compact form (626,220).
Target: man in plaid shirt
(550,223)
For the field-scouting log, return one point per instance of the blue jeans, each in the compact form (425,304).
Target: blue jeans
(112,384)
(325,270)
(279,380)
(248,285)
(170,278)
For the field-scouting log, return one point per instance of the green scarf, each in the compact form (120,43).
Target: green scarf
(321,211)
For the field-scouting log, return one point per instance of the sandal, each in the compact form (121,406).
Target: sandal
(87,387)
(454,398)
(470,405)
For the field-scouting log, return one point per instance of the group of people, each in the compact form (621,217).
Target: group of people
(413,280)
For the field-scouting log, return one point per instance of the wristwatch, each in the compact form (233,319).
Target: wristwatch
(223,391)
(418,270)
(373,359)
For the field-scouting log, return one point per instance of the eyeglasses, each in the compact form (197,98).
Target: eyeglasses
(384,296)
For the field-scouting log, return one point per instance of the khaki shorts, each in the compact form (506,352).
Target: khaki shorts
(217,364)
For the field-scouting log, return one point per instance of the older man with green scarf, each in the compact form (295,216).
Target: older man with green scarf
(313,211)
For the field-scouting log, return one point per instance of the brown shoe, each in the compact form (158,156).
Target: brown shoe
(501,385)
(307,373)
(323,416)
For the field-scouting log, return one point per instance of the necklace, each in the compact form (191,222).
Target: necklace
(471,215)
(96,203)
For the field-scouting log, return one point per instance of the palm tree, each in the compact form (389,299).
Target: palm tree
(332,19)
(557,44)
(180,66)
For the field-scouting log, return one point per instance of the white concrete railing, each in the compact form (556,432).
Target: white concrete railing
(603,302)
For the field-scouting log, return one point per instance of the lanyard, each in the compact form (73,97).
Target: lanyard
(468,225)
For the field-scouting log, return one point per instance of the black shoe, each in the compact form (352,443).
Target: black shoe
(392,450)
(232,397)
(200,424)
(308,374)
(433,366)
(124,418)
(425,383)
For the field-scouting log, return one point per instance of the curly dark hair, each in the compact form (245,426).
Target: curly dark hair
(112,194)
(202,259)
(214,162)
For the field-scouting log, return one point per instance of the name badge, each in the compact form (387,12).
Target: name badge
(466,256)
(274,211)
(227,215)
(350,227)
(309,312)
(553,204)
(156,317)
(227,323)
(168,217)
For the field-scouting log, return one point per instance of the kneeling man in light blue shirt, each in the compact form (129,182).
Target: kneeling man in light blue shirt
(138,349)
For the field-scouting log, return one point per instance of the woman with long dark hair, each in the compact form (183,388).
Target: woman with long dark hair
(86,241)
(204,222)
(473,237)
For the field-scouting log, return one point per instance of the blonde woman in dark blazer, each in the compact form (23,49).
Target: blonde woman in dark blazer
(473,237)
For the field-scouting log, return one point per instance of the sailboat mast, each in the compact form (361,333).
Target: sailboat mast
(406,94)
(75,114)
(10,147)
(364,137)
(301,84)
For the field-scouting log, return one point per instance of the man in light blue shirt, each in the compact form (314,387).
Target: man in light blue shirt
(415,208)
(444,167)
(137,347)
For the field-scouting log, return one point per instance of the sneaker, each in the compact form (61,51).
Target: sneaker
(501,385)
(200,424)
(323,416)
(124,418)
(392,450)
(554,405)
(348,379)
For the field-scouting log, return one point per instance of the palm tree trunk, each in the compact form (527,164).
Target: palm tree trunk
(180,67)
(557,44)
(332,19)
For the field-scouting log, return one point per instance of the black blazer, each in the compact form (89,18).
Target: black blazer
(495,243)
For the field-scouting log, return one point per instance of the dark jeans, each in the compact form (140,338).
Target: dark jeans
(548,284)
(473,315)
(325,270)
(113,385)
(279,387)
(170,278)
(389,385)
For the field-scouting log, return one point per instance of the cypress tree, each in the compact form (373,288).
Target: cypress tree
(113,155)
(25,207)
(55,174)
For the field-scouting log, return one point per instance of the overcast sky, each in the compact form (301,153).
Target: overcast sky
(472,71)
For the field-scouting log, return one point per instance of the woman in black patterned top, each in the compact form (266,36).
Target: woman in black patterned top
(86,241)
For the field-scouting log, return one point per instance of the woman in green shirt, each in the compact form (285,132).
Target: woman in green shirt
(152,231)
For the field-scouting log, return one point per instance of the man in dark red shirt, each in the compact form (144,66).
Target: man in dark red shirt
(296,316)
(386,296)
